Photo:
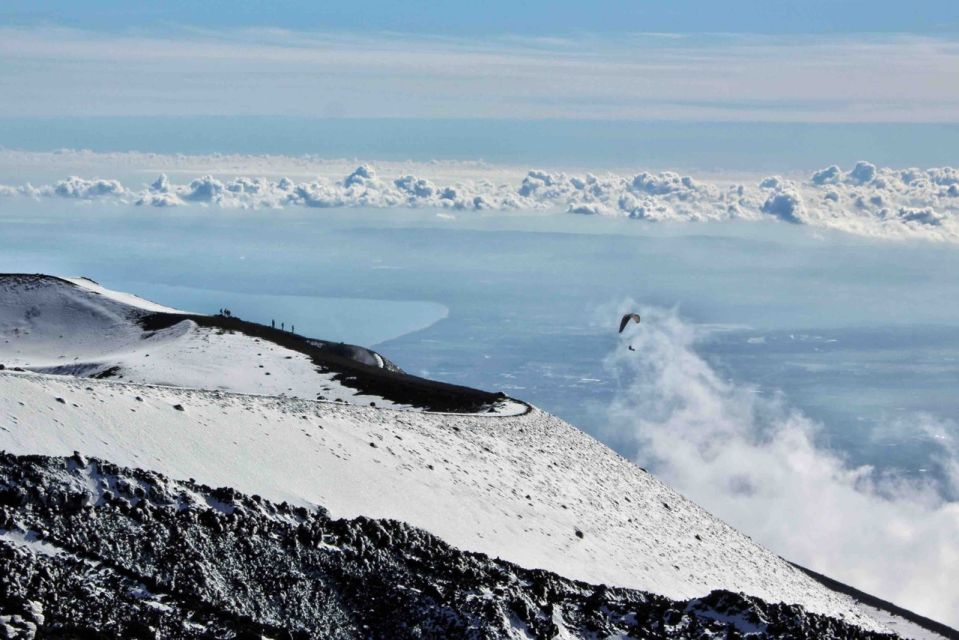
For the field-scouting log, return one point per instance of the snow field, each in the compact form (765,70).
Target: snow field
(530,489)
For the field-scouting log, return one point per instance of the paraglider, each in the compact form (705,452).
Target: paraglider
(626,319)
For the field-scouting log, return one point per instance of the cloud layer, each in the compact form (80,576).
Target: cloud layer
(701,77)
(864,199)
(756,463)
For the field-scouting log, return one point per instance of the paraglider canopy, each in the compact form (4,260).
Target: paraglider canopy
(626,320)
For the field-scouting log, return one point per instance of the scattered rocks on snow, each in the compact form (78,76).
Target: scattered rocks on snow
(144,560)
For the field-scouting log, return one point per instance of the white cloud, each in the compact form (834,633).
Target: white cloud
(205,189)
(865,200)
(772,182)
(754,462)
(863,173)
(159,200)
(74,187)
(785,205)
(361,176)
(830,175)
(926,216)
(161,184)
(416,187)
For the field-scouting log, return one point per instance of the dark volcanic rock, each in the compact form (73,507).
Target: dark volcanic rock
(88,549)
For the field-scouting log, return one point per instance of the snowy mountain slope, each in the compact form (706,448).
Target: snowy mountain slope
(511,481)
(118,297)
(57,322)
(131,553)
(530,489)
(76,327)
(902,622)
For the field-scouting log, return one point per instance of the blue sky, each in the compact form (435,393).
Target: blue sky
(536,17)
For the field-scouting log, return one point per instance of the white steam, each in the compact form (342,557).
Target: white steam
(755,463)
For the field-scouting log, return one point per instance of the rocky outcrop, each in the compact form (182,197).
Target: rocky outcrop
(88,549)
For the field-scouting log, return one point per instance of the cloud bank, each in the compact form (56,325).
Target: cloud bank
(695,77)
(865,199)
(756,463)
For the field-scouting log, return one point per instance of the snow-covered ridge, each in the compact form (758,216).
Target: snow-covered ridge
(120,297)
(865,199)
(74,326)
(530,489)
